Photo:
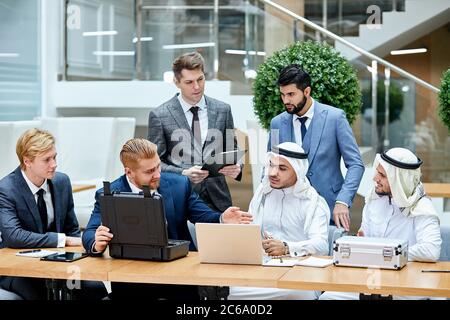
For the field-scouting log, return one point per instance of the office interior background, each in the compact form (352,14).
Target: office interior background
(91,70)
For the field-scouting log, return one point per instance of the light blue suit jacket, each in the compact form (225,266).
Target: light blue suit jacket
(329,137)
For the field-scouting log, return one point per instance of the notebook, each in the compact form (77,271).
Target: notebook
(234,244)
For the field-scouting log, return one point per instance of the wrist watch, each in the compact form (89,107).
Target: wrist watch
(286,248)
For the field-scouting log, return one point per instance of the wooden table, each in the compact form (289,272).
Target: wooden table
(437,189)
(88,268)
(82,187)
(190,271)
(408,281)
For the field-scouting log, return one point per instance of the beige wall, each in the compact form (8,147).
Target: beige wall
(278,27)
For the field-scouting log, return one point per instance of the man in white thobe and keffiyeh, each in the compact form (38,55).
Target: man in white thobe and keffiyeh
(398,208)
(293,217)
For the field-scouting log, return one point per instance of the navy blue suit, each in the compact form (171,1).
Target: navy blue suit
(181,204)
(21,227)
(20,222)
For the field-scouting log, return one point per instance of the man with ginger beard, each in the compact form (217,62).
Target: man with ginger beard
(142,166)
(325,134)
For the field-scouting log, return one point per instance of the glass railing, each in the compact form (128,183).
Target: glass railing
(141,38)
(343,17)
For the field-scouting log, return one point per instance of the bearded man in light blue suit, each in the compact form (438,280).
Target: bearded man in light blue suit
(325,134)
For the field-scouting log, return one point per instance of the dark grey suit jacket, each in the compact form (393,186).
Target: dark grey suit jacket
(170,131)
(20,222)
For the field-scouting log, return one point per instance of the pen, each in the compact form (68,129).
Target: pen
(443,271)
(30,251)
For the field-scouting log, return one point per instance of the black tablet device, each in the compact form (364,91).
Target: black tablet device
(214,163)
(65,256)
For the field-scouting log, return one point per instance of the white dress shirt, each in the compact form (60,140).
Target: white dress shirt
(202,115)
(297,125)
(135,189)
(383,219)
(48,203)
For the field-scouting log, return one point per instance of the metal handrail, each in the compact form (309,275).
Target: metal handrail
(369,55)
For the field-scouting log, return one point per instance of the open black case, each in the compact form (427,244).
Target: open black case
(139,226)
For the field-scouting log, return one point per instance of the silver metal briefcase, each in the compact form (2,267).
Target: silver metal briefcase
(369,252)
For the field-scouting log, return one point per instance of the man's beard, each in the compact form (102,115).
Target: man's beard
(299,107)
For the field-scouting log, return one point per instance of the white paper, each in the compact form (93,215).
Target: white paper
(315,262)
(36,254)
(277,262)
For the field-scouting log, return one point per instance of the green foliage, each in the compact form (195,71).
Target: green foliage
(444,99)
(333,80)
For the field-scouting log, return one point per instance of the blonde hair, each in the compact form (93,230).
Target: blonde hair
(189,61)
(32,143)
(137,149)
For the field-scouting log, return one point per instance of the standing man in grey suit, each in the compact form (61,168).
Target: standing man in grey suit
(36,211)
(190,127)
(325,134)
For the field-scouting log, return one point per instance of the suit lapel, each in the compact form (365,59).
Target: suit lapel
(125,185)
(57,209)
(315,134)
(178,114)
(288,133)
(212,117)
(169,207)
(29,199)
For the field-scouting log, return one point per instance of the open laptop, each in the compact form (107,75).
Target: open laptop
(139,225)
(234,244)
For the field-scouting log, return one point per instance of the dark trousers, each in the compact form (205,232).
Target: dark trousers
(36,288)
(144,291)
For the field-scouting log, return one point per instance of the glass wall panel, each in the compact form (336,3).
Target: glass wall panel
(20,85)
(100,40)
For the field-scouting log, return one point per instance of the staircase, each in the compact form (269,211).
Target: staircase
(398,28)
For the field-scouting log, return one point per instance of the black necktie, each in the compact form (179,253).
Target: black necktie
(196,125)
(42,208)
(303,126)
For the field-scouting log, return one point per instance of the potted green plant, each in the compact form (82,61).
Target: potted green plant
(333,80)
(444,99)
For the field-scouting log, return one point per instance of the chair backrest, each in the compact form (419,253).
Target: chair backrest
(123,131)
(10,131)
(88,147)
(333,234)
(83,145)
(445,247)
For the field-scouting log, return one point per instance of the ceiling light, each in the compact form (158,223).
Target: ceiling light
(99,33)
(189,45)
(143,39)
(243,52)
(9,55)
(408,51)
(113,53)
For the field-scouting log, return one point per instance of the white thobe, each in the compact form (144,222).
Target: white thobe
(283,216)
(383,219)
